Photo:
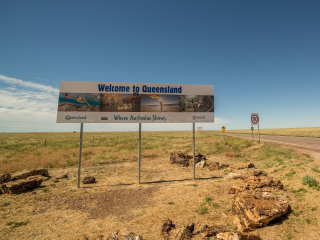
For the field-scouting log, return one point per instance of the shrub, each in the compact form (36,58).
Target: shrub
(6,204)
(202,209)
(17,224)
(309,180)
(208,199)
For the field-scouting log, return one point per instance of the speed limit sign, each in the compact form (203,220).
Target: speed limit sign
(254,118)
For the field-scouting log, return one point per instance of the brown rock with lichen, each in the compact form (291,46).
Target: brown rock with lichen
(246,165)
(244,173)
(258,183)
(89,180)
(214,166)
(5,178)
(253,210)
(28,173)
(167,227)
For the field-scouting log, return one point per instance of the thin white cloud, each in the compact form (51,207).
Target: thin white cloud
(27,100)
(31,107)
(19,82)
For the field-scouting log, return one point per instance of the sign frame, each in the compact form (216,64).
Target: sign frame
(91,102)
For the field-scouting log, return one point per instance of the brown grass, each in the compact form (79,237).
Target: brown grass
(117,203)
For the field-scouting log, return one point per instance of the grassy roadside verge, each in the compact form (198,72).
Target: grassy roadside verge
(205,200)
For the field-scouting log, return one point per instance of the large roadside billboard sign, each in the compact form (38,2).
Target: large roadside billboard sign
(112,102)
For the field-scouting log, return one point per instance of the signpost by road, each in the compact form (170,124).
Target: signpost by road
(114,102)
(223,129)
(255,121)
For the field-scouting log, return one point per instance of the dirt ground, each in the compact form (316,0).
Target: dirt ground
(117,203)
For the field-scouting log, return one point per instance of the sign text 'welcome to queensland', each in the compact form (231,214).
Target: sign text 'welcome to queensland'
(136,89)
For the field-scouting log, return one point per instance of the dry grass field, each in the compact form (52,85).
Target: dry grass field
(59,210)
(295,132)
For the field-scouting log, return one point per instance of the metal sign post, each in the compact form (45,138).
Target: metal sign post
(194,146)
(188,104)
(80,151)
(252,133)
(255,121)
(139,153)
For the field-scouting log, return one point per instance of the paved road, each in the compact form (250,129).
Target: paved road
(301,142)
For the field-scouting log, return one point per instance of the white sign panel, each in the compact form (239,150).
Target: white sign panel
(255,119)
(110,102)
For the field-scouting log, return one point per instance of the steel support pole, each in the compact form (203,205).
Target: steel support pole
(194,147)
(80,151)
(252,133)
(259,133)
(139,154)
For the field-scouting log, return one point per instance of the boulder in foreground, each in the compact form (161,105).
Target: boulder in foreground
(253,210)
(89,180)
(22,185)
(27,173)
(5,178)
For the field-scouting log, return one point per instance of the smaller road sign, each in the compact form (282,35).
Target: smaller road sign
(254,118)
(223,129)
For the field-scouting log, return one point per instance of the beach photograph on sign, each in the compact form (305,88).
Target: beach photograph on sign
(159,103)
(198,103)
(114,102)
(79,102)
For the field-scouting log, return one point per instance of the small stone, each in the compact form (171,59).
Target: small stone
(201,164)
(62,176)
(246,165)
(214,166)
(5,178)
(89,180)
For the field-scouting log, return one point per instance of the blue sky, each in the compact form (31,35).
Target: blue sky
(261,56)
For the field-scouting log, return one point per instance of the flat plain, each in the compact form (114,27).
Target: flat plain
(60,210)
(294,132)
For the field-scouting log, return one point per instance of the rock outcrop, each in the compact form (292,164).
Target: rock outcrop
(246,165)
(257,183)
(183,158)
(217,166)
(257,210)
(244,173)
(214,232)
(5,178)
(27,173)
(254,205)
(22,185)
(222,233)
(167,227)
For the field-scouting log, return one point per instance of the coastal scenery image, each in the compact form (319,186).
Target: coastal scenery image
(111,102)
(159,103)
(79,102)
(198,103)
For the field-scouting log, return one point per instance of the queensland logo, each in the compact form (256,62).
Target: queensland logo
(68,117)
